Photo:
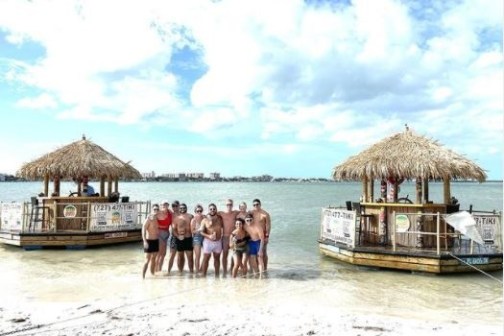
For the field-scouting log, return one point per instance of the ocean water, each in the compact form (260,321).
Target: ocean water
(297,272)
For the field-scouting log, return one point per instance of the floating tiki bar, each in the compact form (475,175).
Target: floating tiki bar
(394,232)
(76,220)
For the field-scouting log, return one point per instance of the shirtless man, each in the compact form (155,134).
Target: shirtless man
(164,217)
(183,234)
(263,220)
(212,231)
(255,244)
(150,237)
(228,219)
(172,239)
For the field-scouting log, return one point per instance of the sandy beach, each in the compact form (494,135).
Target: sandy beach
(211,310)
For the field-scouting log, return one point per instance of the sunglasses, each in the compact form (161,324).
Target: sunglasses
(248,219)
(174,205)
(212,209)
(256,204)
(199,211)
(155,209)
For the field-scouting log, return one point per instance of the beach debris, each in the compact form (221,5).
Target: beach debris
(97,311)
(19,320)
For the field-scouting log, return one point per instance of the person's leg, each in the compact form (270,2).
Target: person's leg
(173,253)
(225,253)
(216,257)
(153,263)
(204,266)
(265,256)
(189,256)
(197,257)
(146,264)
(180,260)
(253,264)
(245,260)
(234,270)
(161,255)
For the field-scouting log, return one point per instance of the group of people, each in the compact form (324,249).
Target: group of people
(198,237)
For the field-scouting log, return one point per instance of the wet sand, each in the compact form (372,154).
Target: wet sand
(212,311)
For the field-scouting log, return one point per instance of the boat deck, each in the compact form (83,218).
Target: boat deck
(459,258)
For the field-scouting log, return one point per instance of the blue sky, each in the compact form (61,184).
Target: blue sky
(286,88)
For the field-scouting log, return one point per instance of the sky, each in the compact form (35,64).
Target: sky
(286,88)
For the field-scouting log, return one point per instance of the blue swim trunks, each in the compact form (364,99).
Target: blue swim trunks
(253,247)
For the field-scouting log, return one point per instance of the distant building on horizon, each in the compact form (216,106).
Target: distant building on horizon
(214,176)
(150,175)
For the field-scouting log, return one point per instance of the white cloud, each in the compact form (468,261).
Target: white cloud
(331,72)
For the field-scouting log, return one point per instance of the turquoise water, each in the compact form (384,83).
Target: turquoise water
(297,271)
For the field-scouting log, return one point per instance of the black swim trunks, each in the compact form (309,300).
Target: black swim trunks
(184,245)
(152,246)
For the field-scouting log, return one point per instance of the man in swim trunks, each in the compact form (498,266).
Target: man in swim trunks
(255,244)
(164,218)
(150,237)
(228,220)
(263,220)
(212,229)
(182,232)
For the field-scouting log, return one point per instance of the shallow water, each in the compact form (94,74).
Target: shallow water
(297,272)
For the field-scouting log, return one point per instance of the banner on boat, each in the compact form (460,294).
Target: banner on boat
(489,227)
(11,216)
(339,225)
(113,217)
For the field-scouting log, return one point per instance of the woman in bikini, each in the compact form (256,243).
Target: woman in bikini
(238,243)
(197,236)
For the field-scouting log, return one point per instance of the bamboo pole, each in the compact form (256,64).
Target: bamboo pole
(446,190)
(364,188)
(425,183)
(46,184)
(102,186)
(109,186)
(418,184)
(370,190)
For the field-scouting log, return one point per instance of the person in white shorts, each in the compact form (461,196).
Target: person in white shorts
(212,229)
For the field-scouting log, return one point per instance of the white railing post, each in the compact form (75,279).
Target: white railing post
(438,238)
(394,231)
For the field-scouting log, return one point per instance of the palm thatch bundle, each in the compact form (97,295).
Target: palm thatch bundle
(80,158)
(408,156)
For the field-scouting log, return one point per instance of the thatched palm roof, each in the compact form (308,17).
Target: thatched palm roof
(80,158)
(408,155)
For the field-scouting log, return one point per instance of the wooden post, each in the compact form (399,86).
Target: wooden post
(370,191)
(383,190)
(446,190)
(393,231)
(88,219)
(116,184)
(56,184)
(102,186)
(364,189)
(425,186)
(418,185)
(438,238)
(46,185)
(109,186)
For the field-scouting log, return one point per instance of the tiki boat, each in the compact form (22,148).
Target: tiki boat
(423,235)
(77,220)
